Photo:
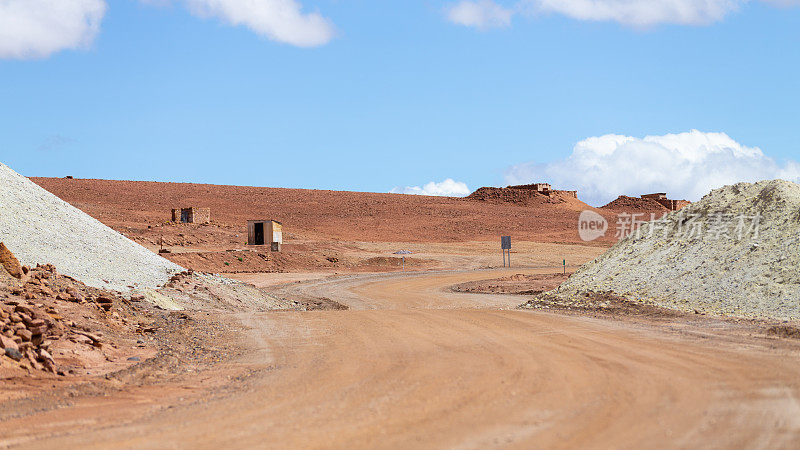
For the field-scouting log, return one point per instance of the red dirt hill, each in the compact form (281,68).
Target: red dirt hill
(130,206)
(527,197)
(624,203)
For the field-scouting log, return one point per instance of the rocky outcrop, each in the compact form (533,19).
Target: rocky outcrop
(28,325)
(625,203)
(520,196)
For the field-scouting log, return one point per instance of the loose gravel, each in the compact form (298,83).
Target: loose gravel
(736,252)
(41,228)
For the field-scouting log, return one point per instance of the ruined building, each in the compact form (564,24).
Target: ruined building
(543,188)
(191,215)
(661,197)
(524,194)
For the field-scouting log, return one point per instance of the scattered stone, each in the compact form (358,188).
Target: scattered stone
(37,339)
(105,303)
(26,335)
(38,329)
(6,342)
(784,331)
(47,292)
(95,340)
(22,309)
(25,325)
(33,361)
(13,353)
(10,262)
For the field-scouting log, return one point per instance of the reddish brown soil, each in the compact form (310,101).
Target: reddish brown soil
(623,203)
(265,261)
(75,339)
(324,230)
(600,303)
(229,261)
(526,197)
(517,284)
(603,304)
(784,331)
(131,206)
(414,365)
(61,326)
(410,363)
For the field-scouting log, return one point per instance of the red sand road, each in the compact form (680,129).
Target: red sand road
(415,365)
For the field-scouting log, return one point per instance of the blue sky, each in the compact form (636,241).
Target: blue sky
(401,93)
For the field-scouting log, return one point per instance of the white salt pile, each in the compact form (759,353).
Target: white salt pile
(38,227)
(735,252)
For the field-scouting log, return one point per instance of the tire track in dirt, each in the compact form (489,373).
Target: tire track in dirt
(414,365)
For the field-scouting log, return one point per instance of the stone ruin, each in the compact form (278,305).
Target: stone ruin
(525,195)
(661,197)
(191,215)
(544,188)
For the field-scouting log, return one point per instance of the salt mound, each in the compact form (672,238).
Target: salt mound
(735,252)
(41,228)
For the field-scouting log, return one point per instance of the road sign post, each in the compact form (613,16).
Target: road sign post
(505,246)
(404,253)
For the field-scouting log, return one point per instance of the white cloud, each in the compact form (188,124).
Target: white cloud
(685,165)
(482,14)
(39,28)
(639,13)
(446,188)
(635,13)
(279,20)
(783,3)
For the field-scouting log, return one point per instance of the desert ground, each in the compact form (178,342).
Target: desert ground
(330,344)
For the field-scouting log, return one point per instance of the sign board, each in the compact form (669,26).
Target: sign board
(505,242)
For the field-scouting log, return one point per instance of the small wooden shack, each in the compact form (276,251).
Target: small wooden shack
(191,215)
(265,232)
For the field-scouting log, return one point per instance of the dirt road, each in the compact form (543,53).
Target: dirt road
(414,365)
